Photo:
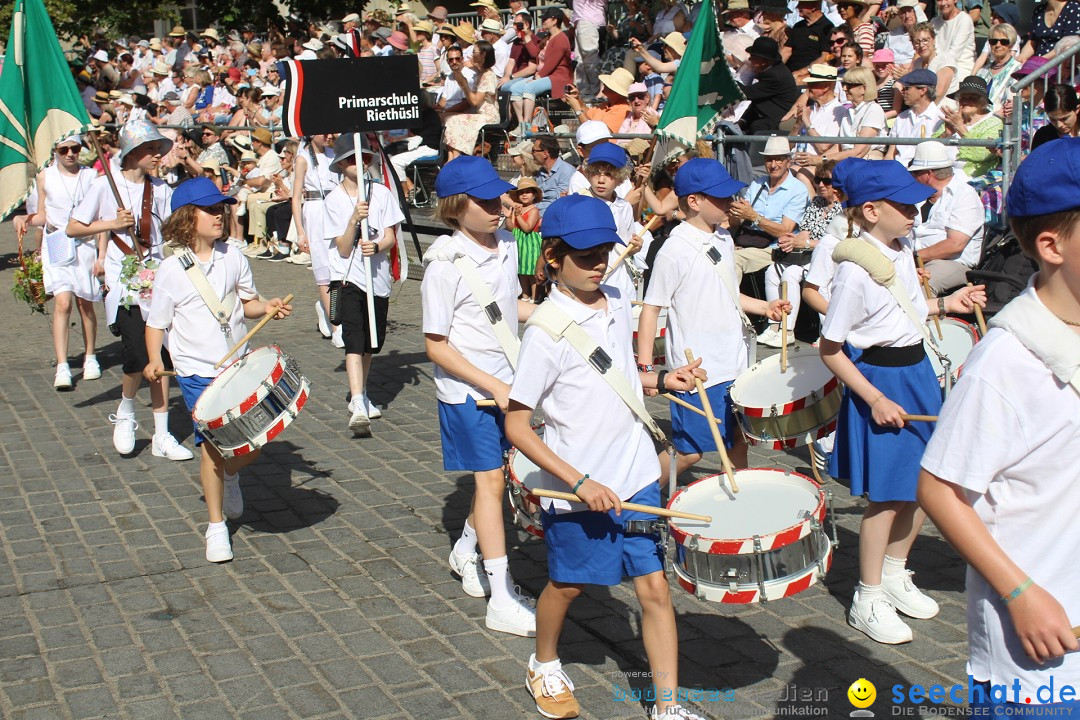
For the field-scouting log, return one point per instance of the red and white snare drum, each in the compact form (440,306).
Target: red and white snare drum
(251,401)
(660,344)
(523,476)
(786,410)
(767,543)
(959,339)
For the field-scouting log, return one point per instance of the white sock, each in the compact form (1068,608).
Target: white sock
(161,423)
(215,526)
(127,406)
(89,359)
(466,544)
(869,592)
(62,366)
(538,666)
(502,586)
(894,566)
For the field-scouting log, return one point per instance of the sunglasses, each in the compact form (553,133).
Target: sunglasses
(998,41)
(68,149)
(851,84)
(839,41)
(216,209)
(824,180)
(639,96)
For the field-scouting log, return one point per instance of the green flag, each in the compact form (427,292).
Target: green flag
(39,103)
(698,98)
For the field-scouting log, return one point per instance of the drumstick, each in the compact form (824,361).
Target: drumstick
(166,373)
(929,296)
(626,253)
(918,418)
(980,318)
(783,329)
(686,405)
(707,407)
(252,331)
(485,403)
(635,507)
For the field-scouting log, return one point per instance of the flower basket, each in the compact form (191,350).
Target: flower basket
(29,280)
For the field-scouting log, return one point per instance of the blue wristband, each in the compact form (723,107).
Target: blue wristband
(579,483)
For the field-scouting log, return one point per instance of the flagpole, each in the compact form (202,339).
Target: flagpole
(361,174)
(105,164)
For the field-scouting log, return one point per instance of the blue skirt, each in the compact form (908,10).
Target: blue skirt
(883,462)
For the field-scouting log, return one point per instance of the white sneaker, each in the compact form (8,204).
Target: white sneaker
(253,249)
(336,339)
(218,547)
(771,337)
(908,599)
(359,422)
(878,619)
(91,370)
(232,503)
(473,581)
(674,712)
(518,618)
(62,381)
(123,435)
(373,410)
(166,446)
(300,258)
(322,320)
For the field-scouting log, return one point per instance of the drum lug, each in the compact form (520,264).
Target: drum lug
(832,518)
(814,396)
(693,545)
(759,561)
(732,577)
(774,416)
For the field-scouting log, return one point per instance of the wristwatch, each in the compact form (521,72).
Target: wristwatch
(644,368)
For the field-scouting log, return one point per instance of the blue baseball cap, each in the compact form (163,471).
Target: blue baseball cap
(471,175)
(921,76)
(609,153)
(201,192)
(843,170)
(1047,180)
(582,221)
(884,180)
(702,175)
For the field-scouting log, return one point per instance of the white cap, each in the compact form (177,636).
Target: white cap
(101,55)
(269,90)
(592,131)
(313,44)
(930,155)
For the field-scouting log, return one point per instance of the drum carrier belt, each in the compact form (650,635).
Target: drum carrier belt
(749,334)
(220,309)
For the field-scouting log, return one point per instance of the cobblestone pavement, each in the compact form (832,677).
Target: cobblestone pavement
(339,603)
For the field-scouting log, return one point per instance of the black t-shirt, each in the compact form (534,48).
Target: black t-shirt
(808,42)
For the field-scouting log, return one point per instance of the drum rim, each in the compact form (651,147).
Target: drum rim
(525,489)
(797,352)
(733,546)
(251,400)
(788,443)
(283,421)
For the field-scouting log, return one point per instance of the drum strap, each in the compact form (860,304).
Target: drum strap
(556,323)
(1044,335)
(508,341)
(220,309)
(712,257)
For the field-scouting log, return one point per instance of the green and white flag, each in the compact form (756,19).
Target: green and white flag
(697,100)
(39,103)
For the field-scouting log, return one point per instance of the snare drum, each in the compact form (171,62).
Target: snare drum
(251,401)
(660,344)
(767,543)
(786,410)
(959,338)
(523,476)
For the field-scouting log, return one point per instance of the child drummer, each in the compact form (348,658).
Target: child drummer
(196,339)
(599,450)
(693,275)
(875,347)
(999,475)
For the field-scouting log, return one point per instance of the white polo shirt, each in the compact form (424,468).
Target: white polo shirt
(383,213)
(451,310)
(701,314)
(587,424)
(822,267)
(826,120)
(195,338)
(867,114)
(1009,434)
(866,314)
(623,212)
(100,204)
(958,208)
(452,92)
(908,124)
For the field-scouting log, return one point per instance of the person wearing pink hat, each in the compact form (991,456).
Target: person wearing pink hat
(882,63)
(399,41)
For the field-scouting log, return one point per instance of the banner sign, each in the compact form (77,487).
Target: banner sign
(351,95)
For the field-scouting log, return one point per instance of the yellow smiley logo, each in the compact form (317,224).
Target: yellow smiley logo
(862,693)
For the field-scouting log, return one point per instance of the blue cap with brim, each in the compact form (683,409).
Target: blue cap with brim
(1046,181)
(471,175)
(609,153)
(884,180)
(922,77)
(201,192)
(582,222)
(843,170)
(709,177)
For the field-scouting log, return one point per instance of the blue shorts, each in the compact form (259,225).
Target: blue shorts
(472,437)
(590,548)
(192,387)
(690,432)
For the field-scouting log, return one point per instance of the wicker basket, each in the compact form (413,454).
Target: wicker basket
(35,286)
